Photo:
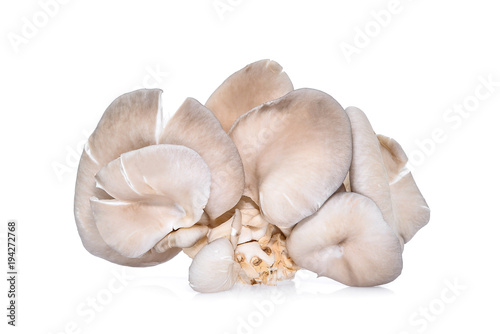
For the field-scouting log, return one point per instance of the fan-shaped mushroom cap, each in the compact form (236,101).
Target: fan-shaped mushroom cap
(348,241)
(368,175)
(409,205)
(171,185)
(213,268)
(296,152)
(378,171)
(194,126)
(131,121)
(251,86)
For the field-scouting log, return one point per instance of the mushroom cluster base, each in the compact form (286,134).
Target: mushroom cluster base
(259,247)
(259,271)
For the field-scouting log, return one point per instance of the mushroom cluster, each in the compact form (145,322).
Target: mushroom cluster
(261,181)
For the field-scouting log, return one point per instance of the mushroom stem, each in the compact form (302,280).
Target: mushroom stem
(182,238)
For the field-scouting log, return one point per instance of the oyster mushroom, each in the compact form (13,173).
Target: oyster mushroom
(261,181)
(213,268)
(134,121)
(296,152)
(378,172)
(196,127)
(367,174)
(409,205)
(131,121)
(348,241)
(251,86)
(168,187)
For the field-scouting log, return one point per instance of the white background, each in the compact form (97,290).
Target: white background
(428,58)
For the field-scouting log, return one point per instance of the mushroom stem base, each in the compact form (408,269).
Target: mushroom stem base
(283,268)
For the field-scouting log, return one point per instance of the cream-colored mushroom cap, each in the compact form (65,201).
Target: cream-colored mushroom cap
(348,241)
(296,152)
(368,175)
(196,127)
(157,189)
(131,121)
(378,171)
(409,205)
(251,86)
(213,269)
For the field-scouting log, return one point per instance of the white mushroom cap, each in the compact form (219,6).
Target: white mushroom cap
(348,241)
(251,86)
(130,122)
(409,205)
(378,171)
(296,152)
(194,126)
(368,175)
(171,185)
(213,268)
